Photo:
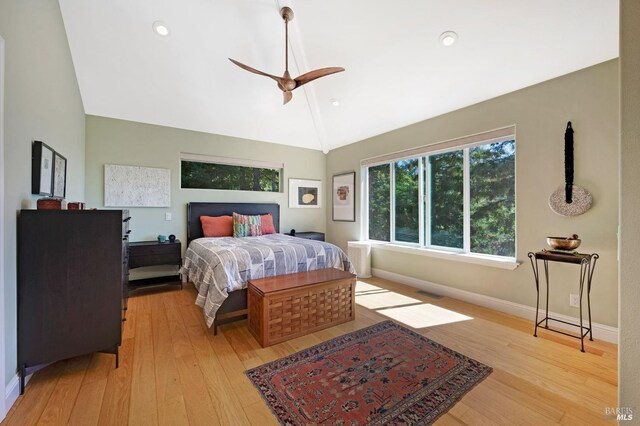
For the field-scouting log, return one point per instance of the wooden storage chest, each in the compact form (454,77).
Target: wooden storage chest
(288,306)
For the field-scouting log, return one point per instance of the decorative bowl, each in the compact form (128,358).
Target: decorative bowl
(563,243)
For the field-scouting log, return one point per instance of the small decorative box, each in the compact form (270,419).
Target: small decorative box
(51,204)
(75,205)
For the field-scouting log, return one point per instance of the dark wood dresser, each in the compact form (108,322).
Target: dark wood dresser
(71,274)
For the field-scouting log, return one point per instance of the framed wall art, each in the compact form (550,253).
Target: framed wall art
(305,194)
(344,197)
(41,169)
(136,186)
(59,175)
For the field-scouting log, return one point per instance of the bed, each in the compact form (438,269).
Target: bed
(220,267)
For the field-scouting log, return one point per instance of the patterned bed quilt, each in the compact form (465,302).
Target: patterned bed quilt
(219,265)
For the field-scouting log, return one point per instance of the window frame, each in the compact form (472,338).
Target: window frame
(424,199)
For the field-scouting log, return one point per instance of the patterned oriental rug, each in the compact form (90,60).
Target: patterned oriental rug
(380,375)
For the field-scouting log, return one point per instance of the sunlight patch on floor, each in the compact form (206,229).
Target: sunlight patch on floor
(404,309)
(424,315)
(372,297)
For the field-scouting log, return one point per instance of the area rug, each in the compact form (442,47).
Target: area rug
(380,375)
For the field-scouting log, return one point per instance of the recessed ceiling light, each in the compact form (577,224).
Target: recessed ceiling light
(335,102)
(448,38)
(161,28)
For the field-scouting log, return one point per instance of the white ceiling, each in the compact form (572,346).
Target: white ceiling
(397,72)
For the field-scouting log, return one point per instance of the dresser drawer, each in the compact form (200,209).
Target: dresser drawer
(150,253)
(137,261)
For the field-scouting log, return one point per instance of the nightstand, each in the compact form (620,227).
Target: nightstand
(154,253)
(318,236)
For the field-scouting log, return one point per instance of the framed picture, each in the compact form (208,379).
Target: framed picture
(344,197)
(305,194)
(59,175)
(41,169)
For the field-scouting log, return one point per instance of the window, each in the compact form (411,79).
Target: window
(379,202)
(492,201)
(445,181)
(461,198)
(406,201)
(204,172)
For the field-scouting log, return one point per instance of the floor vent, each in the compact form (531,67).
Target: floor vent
(431,295)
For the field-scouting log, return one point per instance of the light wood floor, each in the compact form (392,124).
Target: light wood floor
(174,371)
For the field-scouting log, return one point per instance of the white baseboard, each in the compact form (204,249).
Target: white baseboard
(600,331)
(12,391)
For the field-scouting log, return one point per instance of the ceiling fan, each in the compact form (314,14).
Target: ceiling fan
(286,83)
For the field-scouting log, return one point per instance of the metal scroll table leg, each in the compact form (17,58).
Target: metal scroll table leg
(534,265)
(546,276)
(584,268)
(592,267)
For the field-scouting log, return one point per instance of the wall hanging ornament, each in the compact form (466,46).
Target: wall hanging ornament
(570,199)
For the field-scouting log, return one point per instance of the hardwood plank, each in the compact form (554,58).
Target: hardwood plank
(173,412)
(144,408)
(467,415)
(86,410)
(30,406)
(169,394)
(180,340)
(242,345)
(578,416)
(198,404)
(449,420)
(115,404)
(501,409)
(229,411)
(233,368)
(99,367)
(259,414)
(63,398)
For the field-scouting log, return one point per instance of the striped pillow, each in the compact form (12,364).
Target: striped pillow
(246,226)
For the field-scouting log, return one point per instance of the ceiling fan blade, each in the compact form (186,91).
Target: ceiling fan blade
(287,97)
(312,75)
(255,71)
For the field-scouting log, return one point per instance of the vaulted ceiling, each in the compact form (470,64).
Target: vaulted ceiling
(397,71)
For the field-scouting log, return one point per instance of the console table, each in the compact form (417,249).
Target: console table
(587,263)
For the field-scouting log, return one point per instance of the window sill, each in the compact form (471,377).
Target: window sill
(508,263)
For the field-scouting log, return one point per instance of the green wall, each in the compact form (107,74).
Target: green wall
(629,349)
(111,141)
(589,98)
(42,102)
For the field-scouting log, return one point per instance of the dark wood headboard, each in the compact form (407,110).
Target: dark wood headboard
(195,210)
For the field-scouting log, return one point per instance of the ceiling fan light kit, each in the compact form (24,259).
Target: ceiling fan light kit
(286,83)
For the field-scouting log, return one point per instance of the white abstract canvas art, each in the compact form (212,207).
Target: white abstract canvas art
(133,186)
